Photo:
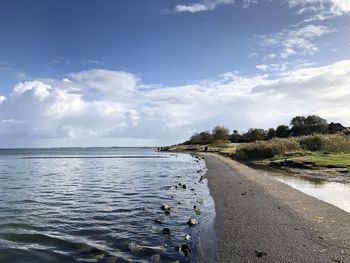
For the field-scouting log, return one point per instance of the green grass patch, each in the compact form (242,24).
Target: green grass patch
(318,159)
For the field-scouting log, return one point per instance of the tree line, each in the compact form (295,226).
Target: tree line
(299,126)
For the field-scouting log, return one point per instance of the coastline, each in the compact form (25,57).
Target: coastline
(314,165)
(259,219)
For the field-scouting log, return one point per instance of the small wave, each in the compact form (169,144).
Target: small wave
(99,157)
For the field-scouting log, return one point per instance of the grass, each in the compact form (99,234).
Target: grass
(314,151)
(225,148)
(335,143)
(319,159)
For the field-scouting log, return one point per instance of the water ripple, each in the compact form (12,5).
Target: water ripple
(98,206)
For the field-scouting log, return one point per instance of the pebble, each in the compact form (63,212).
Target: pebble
(165,207)
(259,253)
(192,222)
(157,221)
(185,248)
(188,237)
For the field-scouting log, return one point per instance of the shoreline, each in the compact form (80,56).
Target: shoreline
(261,219)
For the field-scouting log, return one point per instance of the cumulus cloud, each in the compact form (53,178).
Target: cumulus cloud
(40,90)
(299,41)
(164,114)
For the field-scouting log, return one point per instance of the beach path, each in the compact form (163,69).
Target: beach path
(259,219)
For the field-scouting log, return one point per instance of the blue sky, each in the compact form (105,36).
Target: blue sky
(100,73)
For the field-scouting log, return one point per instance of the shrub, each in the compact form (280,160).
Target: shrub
(269,149)
(266,149)
(312,143)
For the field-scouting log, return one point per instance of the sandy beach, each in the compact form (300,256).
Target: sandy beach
(259,219)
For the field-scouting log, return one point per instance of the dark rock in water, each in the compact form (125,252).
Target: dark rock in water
(166,231)
(185,248)
(157,221)
(194,207)
(180,184)
(259,253)
(192,189)
(192,222)
(184,186)
(244,193)
(175,186)
(166,208)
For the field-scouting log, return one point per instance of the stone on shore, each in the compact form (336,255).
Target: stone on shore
(192,222)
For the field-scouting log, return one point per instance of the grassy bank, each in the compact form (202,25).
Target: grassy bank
(309,152)
(329,153)
(336,143)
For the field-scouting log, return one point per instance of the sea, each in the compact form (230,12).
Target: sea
(104,205)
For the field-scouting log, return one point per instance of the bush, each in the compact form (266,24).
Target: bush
(313,143)
(269,149)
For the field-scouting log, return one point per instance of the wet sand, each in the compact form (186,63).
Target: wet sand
(259,219)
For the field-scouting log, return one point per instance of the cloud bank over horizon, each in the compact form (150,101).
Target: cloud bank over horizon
(98,106)
(184,67)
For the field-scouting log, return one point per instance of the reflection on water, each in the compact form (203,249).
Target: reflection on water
(97,209)
(337,194)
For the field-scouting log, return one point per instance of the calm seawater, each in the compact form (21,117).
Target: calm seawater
(99,205)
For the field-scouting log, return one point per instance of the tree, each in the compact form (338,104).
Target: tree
(205,137)
(316,124)
(308,125)
(201,138)
(271,133)
(283,131)
(220,134)
(236,137)
(254,135)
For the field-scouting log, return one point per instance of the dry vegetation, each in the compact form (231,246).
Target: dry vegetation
(335,143)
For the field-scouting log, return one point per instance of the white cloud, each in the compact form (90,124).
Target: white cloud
(170,114)
(2,99)
(205,5)
(111,83)
(321,9)
(299,41)
(270,56)
(262,67)
(40,90)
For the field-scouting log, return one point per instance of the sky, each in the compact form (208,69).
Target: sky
(153,72)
